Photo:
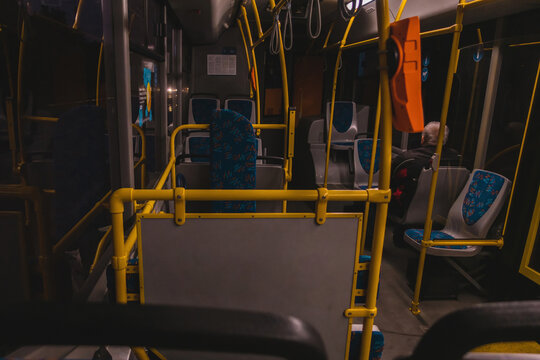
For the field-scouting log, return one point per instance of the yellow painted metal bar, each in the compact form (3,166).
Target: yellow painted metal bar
(276,215)
(474,3)
(142,159)
(384,177)
(101,246)
(521,147)
(283,65)
(452,65)
(140,353)
(370,176)
(263,37)
(257,18)
(239,23)
(525,44)
(333,101)
(401,8)
(524,267)
(41,118)
(328,34)
(472,242)
(77,14)
(98,76)
(276,8)
(425,34)
(64,241)
(374,148)
(254,60)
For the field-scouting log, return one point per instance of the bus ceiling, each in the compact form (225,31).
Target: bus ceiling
(205,20)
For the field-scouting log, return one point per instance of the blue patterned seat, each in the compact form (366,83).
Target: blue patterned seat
(244,107)
(362,158)
(233,153)
(471,215)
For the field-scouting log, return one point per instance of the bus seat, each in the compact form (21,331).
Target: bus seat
(470,217)
(362,159)
(349,123)
(451,181)
(245,107)
(201,109)
(316,132)
(233,153)
(377,343)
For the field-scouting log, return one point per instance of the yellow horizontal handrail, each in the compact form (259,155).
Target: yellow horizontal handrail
(41,118)
(262,38)
(467,242)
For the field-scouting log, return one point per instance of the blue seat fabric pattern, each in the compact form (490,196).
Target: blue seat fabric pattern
(364,154)
(232,158)
(203,110)
(482,192)
(343,115)
(199,146)
(243,107)
(418,234)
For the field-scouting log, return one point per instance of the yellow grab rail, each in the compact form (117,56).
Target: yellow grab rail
(142,160)
(254,59)
(452,65)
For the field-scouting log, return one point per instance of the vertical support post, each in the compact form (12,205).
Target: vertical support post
(384,177)
(489,99)
(254,59)
(162,123)
(119,259)
(247,54)
(116,46)
(333,101)
(177,58)
(452,66)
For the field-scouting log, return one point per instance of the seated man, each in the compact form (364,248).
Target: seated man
(406,167)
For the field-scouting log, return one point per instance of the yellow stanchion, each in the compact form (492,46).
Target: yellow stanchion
(452,65)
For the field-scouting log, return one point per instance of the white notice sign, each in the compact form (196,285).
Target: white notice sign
(221,64)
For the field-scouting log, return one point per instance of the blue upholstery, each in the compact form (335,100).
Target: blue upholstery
(203,109)
(418,234)
(344,143)
(232,158)
(482,192)
(343,116)
(364,154)
(243,107)
(377,345)
(199,146)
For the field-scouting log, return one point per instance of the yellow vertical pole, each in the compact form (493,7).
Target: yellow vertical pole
(98,76)
(333,102)
(77,14)
(119,259)
(254,59)
(384,177)
(257,18)
(247,54)
(370,177)
(452,66)
(374,148)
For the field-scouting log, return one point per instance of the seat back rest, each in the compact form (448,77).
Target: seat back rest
(345,126)
(362,158)
(233,153)
(478,205)
(201,109)
(245,107)
(450,182)
(362,116)
(316,132)
(198,144)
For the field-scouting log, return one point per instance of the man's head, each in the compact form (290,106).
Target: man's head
(431,132)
